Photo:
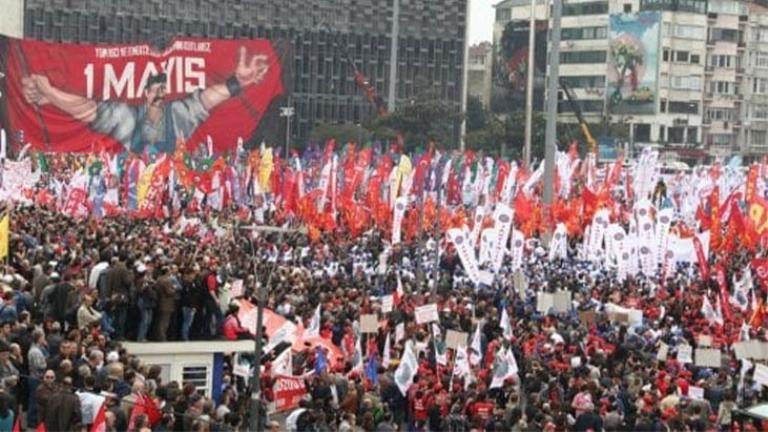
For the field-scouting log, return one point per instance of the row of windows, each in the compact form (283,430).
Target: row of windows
(576,57)
(584,81)
(684,31)
(720,114)
(759,112)
(590,8)
(694,6)
(680,56)
(677,107)
(584,33)
(725,35)
(723,87)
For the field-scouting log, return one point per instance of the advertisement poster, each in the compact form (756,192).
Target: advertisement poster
(72,98)
(510,68)
(633,63)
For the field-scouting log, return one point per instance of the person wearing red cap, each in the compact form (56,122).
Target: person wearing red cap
(481,410)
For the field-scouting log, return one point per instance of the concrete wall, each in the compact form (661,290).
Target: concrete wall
(12,18)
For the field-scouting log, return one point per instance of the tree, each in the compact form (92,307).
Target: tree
(342,133)
(506,136)
(424,118)
(477,115)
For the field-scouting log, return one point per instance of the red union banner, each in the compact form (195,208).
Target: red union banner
(84,98)
(288,391)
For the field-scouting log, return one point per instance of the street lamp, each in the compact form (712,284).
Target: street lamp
(256,385)
(287,112)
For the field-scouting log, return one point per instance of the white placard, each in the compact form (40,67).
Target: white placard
(237,288)
(387,302)
(695,392)
(544,301)
(706,357)
(663,352)
(685,354)
(427,313)
(399,332)
(761,374)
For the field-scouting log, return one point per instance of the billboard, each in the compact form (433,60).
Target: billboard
(66,98)
(510,68)
(633,63)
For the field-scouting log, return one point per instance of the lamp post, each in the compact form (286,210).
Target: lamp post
(255,406)
(287,112)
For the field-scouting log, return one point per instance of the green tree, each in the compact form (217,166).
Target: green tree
(424,118)
(506,135)
(342,133)
(477,115)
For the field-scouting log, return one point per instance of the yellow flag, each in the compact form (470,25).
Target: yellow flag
(5,229)
(142,186)
(265,169)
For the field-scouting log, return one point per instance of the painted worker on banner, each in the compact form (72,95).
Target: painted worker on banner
(155,125)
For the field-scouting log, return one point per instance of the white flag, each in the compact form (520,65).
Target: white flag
(439,344)
(461,367)
(386,360)
(504,366)
(314,325)
(357,360)
(399,332)
(407,369)
(505,324)
(709,312)
(283,364)
(476,350)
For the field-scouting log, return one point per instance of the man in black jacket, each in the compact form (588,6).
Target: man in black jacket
(66,416)
(119,283)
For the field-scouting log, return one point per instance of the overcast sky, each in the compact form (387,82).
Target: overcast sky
(481,20)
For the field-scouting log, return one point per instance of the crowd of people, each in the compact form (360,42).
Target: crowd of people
(72,291)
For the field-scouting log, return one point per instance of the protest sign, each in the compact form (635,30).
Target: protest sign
(562,301)
(369,323)
(455,339)
(427,313)
(287,392)
(685,354)
(706,357)
(387,302)
(761,374)
(663,352)
(544,302)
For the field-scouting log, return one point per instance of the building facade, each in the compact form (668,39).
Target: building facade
(324,36)
(712,73)
(479,66)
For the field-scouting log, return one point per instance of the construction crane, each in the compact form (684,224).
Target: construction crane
(361,80)
(579,116)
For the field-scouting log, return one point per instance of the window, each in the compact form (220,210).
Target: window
(721,87)
(724,35)
(695,59)
(503,14)
(199,376)
(727,7)
(760,112)
(720,139)
(694,6)
(686,82)
(586,81)
(759,85)
(689,32)
(683,107)
(760,34)
(627,8)
(666,55)
(759,138)
(681,56)
(584,33)
(720,114)
(586,106)
(760,60)
(723,61)
(582,57)
(591,8)
(663,105)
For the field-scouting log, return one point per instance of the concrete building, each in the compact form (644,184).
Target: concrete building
(712,86)
(431,42)
(479,67)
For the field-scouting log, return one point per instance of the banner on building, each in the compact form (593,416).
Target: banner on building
(72,98)
(510,67)
(633,63)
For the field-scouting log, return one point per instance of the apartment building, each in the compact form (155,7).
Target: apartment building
(711,64)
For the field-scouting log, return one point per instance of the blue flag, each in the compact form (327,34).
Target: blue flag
(372,370)
(321,363)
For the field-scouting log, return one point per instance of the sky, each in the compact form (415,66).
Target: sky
(481,15)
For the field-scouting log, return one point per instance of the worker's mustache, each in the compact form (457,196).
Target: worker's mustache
(158,99)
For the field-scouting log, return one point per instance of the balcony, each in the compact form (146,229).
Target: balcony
(712,16)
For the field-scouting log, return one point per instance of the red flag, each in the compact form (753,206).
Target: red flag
(41,428)
(100,421)
(703,264)
(145,406)
(152,411)
(17,423)
(760,265)
(724,295)
(715,241)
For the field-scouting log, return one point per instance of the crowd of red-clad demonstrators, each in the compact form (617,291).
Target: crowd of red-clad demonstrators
(438,295)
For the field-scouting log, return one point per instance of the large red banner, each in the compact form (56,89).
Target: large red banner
(84,98)
(288,391)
